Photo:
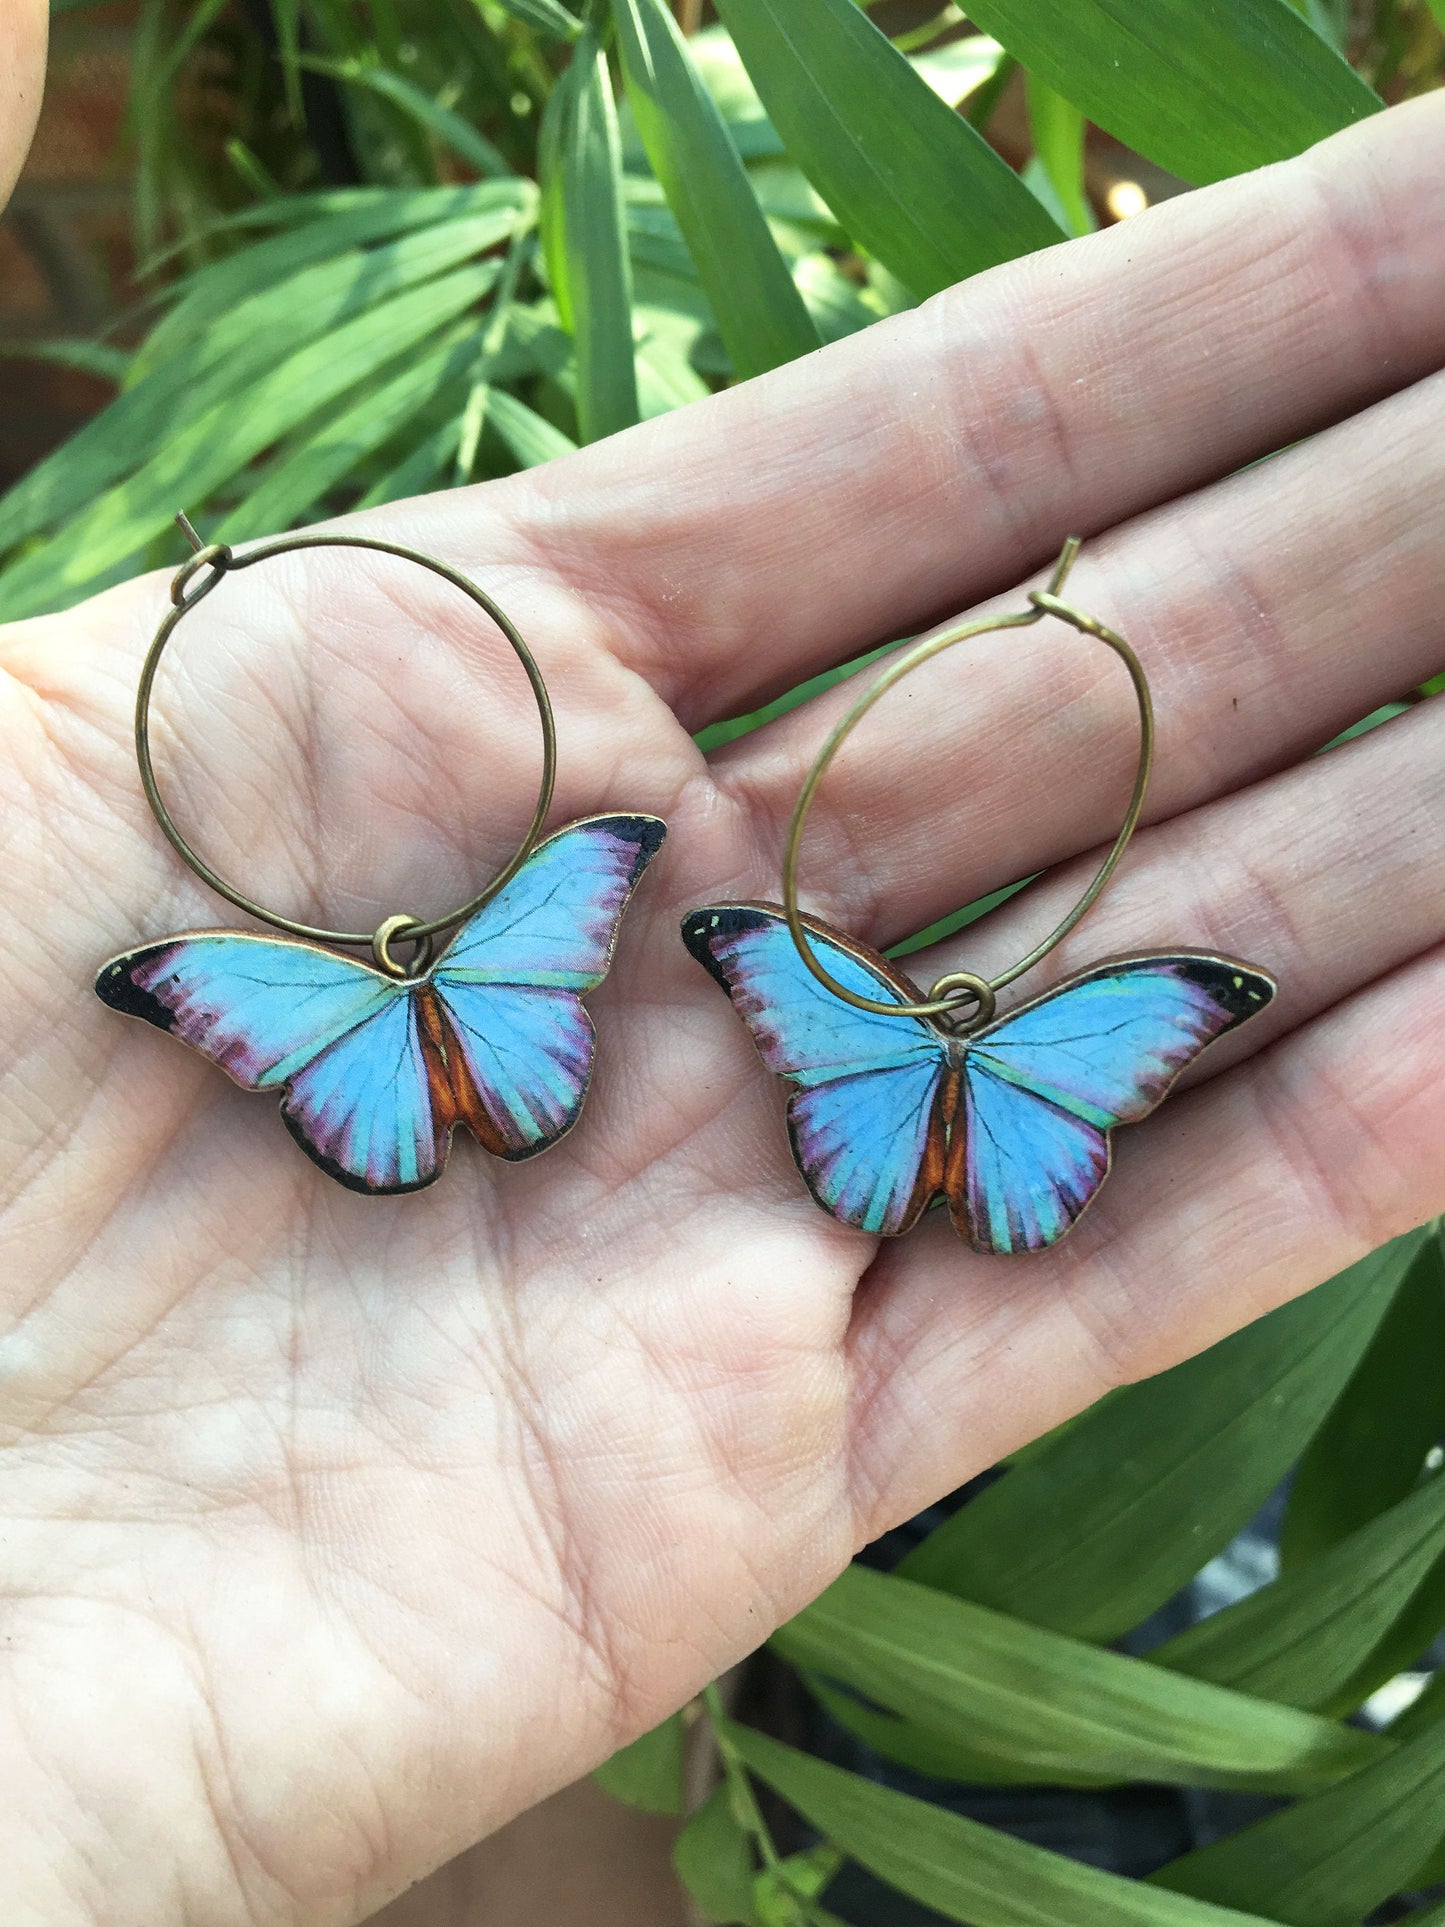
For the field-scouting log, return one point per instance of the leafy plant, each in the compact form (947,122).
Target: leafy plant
(395,246)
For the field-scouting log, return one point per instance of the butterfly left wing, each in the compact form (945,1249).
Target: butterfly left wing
(336,1038)
(1044,1086)
(510,984)
(863,1114)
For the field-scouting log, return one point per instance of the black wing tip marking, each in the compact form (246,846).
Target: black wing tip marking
(117,989)
(646,833)
(700,927)
(1238,989)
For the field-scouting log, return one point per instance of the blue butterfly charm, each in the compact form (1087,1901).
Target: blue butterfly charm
(376,1072)
(1009,1123)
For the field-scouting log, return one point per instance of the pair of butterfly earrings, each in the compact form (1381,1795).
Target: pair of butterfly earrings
(896,1100)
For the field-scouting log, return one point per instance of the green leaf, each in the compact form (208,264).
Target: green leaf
(1052,1708)
(584,239)
(906,176)
(1330,1859)
(1371,1449)
(966,1872)
(418,470)
(282,498)
(1428,1916)
(214,446)
(546,16)
(760,313)
(1058,129)
(465,141)
(99,358)
(1320,1636)
(648,1773)
(527,435)
(714,1862)
(1205,91)
(1094,1534)
(236,331)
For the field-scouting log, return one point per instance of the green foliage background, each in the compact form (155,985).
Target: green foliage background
(395,246)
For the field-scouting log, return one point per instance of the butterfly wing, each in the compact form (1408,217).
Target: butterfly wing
(1044,1086)
(511,983)
(863,1113)
(338,1039)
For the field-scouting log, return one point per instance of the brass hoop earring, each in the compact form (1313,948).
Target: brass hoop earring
(377,1063)
(899,1100)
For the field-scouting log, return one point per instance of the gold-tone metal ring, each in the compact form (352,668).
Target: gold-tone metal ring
(222,562)
(958,988)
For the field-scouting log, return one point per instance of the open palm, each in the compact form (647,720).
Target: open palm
(339,1529)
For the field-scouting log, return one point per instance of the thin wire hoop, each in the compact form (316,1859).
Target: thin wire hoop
(218,558)
(957,988)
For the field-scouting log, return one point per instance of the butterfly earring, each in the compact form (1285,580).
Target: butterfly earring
(899,1100)
(376,1063)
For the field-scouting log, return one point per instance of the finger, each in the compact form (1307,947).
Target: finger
(1270,610)
(1231,1200)
(739,545)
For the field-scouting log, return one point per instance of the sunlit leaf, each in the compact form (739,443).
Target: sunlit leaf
(468,143)
(907,177)
(759,312)
(966,1872)
(1328,1860)
(1051,1707)
(1058,129)
(1205,91)
(715,1863)
(1094,1534)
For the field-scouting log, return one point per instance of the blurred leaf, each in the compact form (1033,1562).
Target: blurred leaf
(530,438)
(465,141)
(584,239)
(217,444)
(1428,1916)
(287,16)
(908,179)
(648,1773)
(760,314)
(959,67)
(221,350)
(966,1872)
(418,470)
(99,358)
(1330,1859)
(1371,1449)
(1308,1637)
(1050,1707)
(293,487)
(715,1862)
(1057,128)
(546,16)
(1095,1534)
(1204,91)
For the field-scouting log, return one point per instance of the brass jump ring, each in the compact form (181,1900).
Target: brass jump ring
(957,988)
(222,563)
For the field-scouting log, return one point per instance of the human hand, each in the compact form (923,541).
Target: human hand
(339,1529)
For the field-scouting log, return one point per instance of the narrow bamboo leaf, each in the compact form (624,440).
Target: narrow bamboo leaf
(1423,1711)
(468,143)
(760,313)
(959,68)
(241,340)
(546,16)
(287,16)
(1371,1449)
(418,470)
(1322,1635)
(1204,91)
(648,1773)
(966,1872)
(1329,1860)
(297,485)
(1094,1534)
(715,1863)
(219,443)
(1054,1706)
(100,358)
(584,241)
(906,176)
(1058,128)
(1428,1916)
(527,435)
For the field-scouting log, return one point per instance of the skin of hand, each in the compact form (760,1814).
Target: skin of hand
(337,1530)
(24,31)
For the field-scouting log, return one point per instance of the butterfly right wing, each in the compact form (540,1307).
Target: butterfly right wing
(336,1038)
(865,1087)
